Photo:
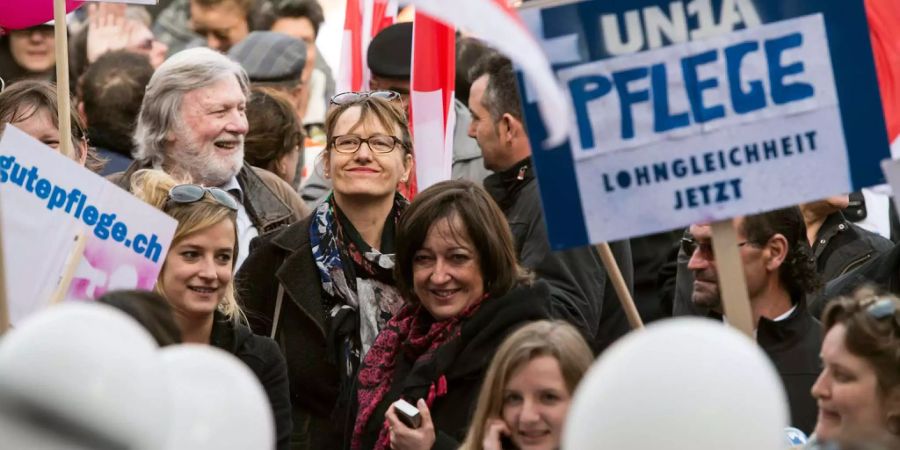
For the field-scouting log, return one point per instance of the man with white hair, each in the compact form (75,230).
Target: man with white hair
(192,125)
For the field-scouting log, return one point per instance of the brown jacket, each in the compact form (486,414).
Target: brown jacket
(270,202)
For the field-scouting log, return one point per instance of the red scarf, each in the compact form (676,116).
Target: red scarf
(410,332)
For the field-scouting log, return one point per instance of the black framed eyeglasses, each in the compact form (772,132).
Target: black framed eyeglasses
(190,193)
(378,143)
(690,245)
(346,98)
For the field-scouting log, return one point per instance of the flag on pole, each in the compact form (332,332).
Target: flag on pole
(499,26)
(432,115)
(884,21)
(363,19)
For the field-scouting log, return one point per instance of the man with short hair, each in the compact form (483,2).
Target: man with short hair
(192,125)
(302,19)
(218,24)
(583,294)
(109,99)
(779,275)
(222,22)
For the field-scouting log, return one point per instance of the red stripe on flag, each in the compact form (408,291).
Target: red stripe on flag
(884,31)
(435,59)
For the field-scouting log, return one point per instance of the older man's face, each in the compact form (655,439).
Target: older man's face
(208,141)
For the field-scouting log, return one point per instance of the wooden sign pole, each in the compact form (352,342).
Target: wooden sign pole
(615,275)
(68,272)
(732,285)
(4,304)
(62,77)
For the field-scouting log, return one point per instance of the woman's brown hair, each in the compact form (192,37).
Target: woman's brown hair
(25,98)
(482,221)
(874,339)
(557,339)
(274,129)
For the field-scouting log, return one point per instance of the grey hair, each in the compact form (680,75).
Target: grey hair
(185,71)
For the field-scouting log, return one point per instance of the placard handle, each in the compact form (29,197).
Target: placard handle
(615,275)
(732,285)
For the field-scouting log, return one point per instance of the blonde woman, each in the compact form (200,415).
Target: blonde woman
(197,281)
(528,388)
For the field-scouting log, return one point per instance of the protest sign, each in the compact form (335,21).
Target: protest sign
(46,201)
(701,110)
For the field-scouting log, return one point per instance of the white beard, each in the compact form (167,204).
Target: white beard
(204,165)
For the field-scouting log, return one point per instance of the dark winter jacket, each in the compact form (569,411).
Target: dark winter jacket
(462,363)
(881,272)
(580,290)
(270,202)
(262,356)
(793,345)
(286,257)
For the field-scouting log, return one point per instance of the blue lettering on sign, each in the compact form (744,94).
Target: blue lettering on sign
(746,95)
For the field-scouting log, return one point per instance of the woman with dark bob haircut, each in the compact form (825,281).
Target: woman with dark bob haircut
(456,266)
(858,391)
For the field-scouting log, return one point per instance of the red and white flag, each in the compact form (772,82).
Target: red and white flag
(884,23)
(432,114)
(499,26)
(362,21)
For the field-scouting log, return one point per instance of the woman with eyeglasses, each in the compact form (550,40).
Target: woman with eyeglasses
(28,54)
(196,280)
(324,287)
(858,391)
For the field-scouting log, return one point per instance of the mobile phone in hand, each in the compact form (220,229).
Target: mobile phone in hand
(408,414)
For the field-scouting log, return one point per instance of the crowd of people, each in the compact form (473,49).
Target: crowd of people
(345,297)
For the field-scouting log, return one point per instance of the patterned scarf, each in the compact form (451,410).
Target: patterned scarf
(357,280)
(414,332)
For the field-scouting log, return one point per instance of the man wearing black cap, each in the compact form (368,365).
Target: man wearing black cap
(390,61)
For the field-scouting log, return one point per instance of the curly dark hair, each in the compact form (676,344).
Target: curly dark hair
(798,272)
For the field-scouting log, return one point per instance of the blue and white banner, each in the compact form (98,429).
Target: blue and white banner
(692,111)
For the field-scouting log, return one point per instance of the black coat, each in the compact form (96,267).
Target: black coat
(581,292)
(793,346)
(462,363)
(285,257)
(265,360)
(882,272)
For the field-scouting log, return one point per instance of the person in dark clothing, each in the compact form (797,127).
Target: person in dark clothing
(882,272)
(779,274)
(150,309)
(581,292)
(456,266)
(110,95)
(837,246)
(197,281)
(324,287)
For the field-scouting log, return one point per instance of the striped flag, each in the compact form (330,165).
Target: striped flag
(362,21)
(432,115)
(499,26)
(884,23)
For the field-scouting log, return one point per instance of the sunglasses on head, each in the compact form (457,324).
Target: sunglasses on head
(347,98)
(190,193)
(880,308)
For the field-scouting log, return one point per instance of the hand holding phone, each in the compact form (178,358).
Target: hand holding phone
(408,414)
